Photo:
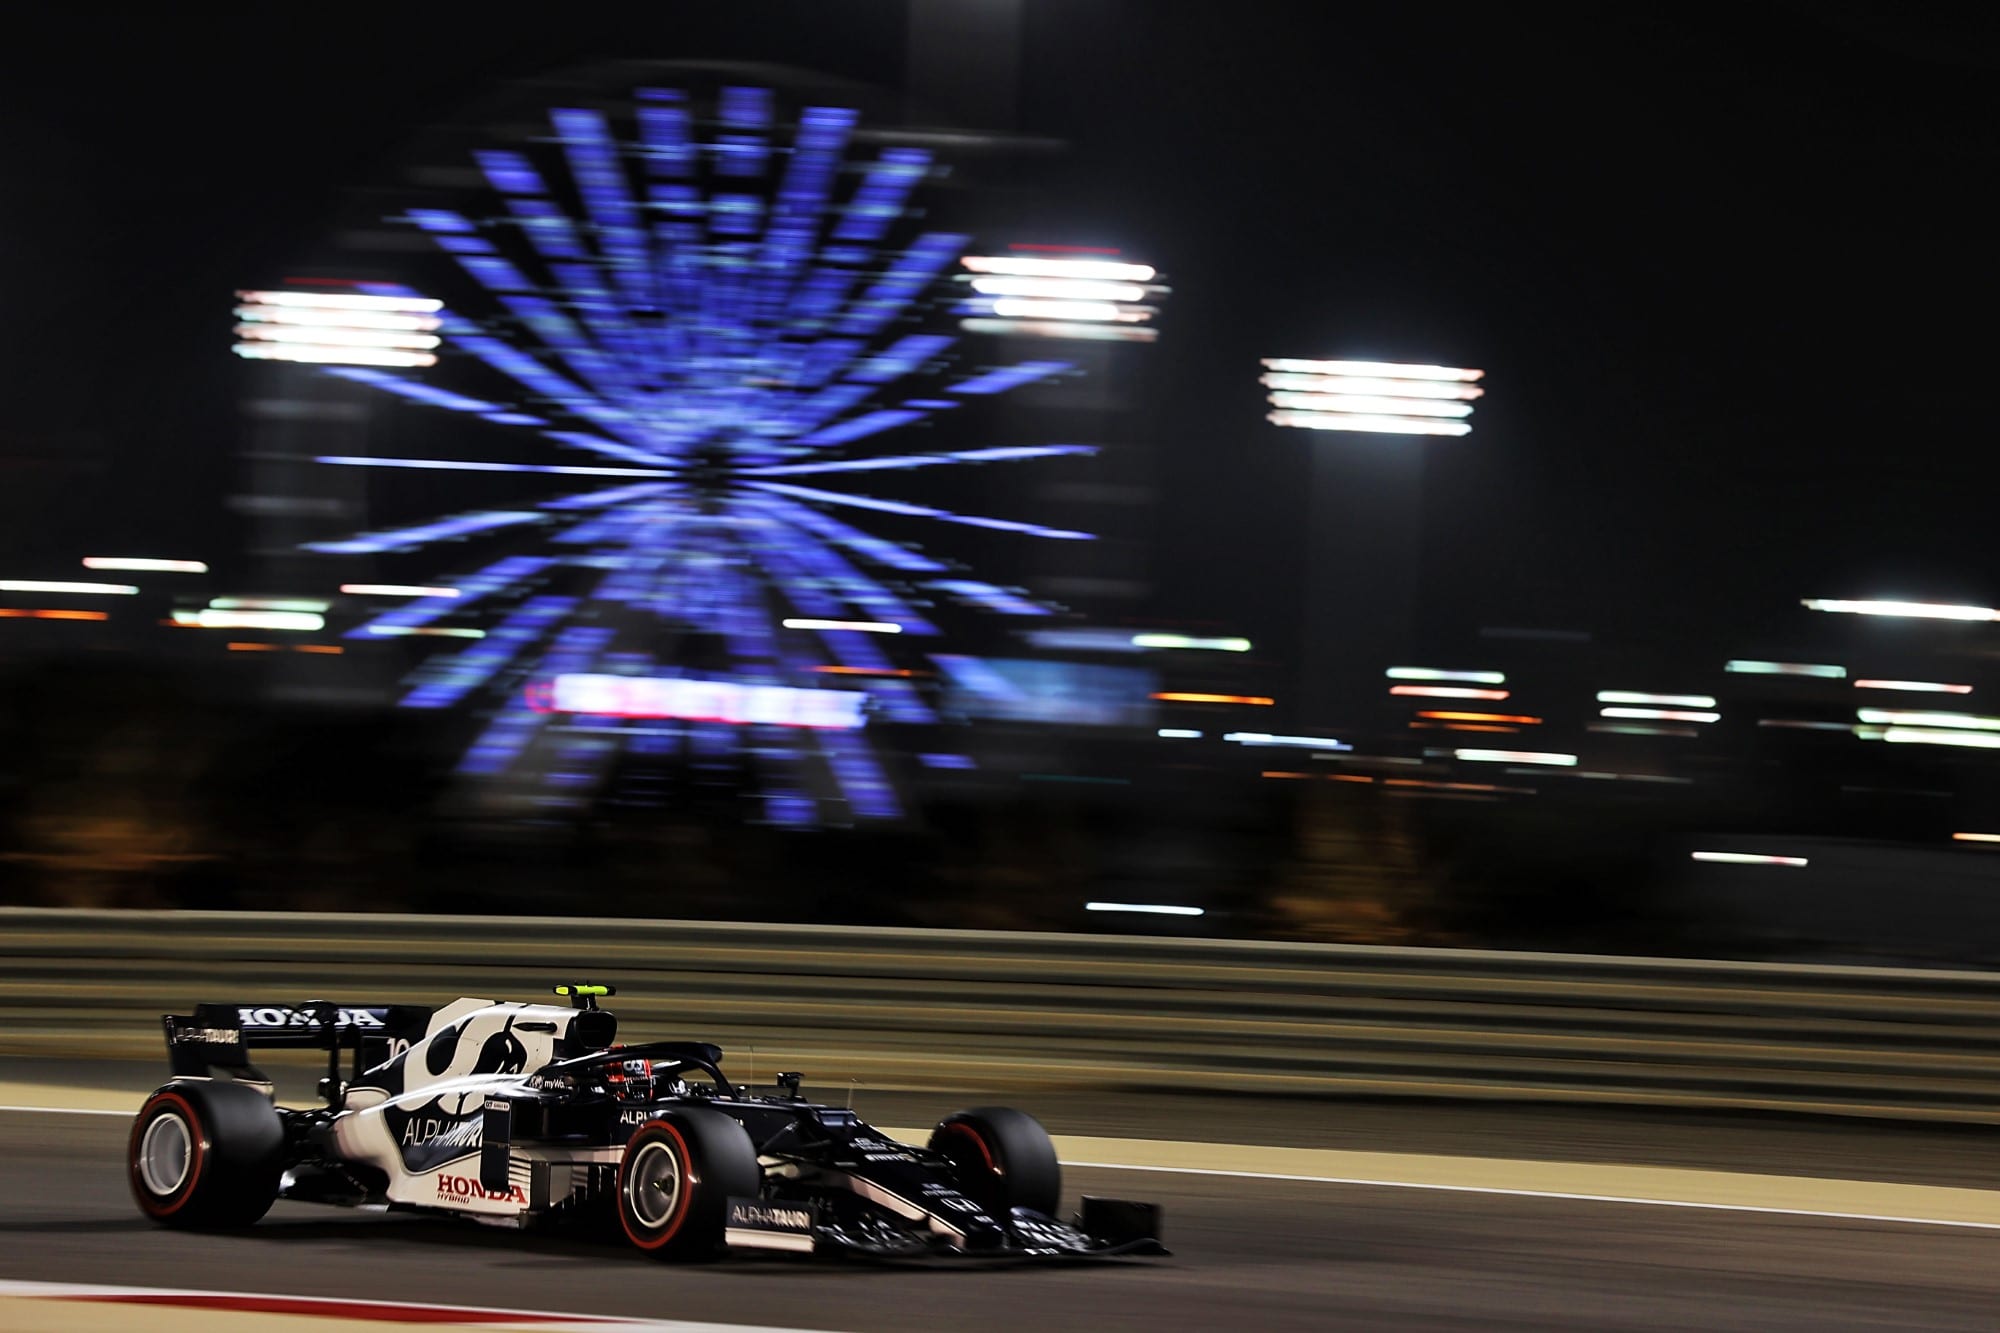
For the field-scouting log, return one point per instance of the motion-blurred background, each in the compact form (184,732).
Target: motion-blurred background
(839,463)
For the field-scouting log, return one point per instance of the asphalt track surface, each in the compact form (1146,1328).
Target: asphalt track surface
(1249,1253)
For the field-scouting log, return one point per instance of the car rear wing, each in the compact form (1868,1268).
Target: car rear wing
(220,1036)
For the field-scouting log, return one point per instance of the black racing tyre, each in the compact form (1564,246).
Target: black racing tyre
(206,1155)
(1003,1158)
(676,1178)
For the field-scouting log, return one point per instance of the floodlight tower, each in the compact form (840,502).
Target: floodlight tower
(1365,547)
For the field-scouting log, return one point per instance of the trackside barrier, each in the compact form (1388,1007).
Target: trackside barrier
(1001,1010)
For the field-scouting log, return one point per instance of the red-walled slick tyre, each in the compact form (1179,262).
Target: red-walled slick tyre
(206,1155)
(1003,1159)
(676,1178)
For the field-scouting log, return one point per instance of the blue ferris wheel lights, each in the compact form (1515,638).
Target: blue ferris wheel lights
(994,599)
(510,173)
(1009,453)
(403,539)
(409,388)
(905,356)
(463,465)
(855,428)
(713,318)
(1010,377)
(883,195)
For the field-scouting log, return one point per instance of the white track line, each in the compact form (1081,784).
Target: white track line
(75,1110)
(1541,1194)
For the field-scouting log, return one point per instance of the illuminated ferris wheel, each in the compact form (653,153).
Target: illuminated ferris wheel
(679,331)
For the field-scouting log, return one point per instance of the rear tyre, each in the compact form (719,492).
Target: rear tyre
(1003,1159)
(676,1178)
(206,1155)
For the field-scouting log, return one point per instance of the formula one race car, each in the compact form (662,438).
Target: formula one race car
(512,1114)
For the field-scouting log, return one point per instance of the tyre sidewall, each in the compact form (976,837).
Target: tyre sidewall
(236,1155)
(714,1159)
(1003,1158)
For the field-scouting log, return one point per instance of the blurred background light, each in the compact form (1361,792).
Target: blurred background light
(1447,692)
(1515,757)
(213,618)
(1659,714)
(1748,859)
(1300,742)
(1913,686)
(701,700)
(48,585)
(1976,740)
(1183,641)
(141,564)
(1901,717)
(1752,667)
(1154,909)
(1913,610)
(396,590)
(1431,673)
(1667,700)
(854,626)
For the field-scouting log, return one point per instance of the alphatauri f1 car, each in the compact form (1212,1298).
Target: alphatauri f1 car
(514,1114)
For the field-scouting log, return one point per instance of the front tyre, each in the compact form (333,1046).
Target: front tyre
(676,1178)
(206,1155)
(1003,1159)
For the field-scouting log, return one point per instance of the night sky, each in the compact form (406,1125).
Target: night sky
(1729,269)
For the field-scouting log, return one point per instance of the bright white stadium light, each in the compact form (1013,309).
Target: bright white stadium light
(1659,714)
(1913,686)
(211,618)
(329,355)
(703,701)
(1748,859)
(1380,387)
(396,590)
(320,316)
(88,589)
(1178,734)
(1376,369)
(1432,673)
(1912,610)
(1153,909)
(1020,266)
(1447,692)
(329,336)
(337,328)
(1348,402)
(1300,742)
(1516,757)
(858,626)
(1752,667)
(344,301)
(1374,425)
(1060,289)
(1901,717)
(1228,645)
(144,565)
(1668,700)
